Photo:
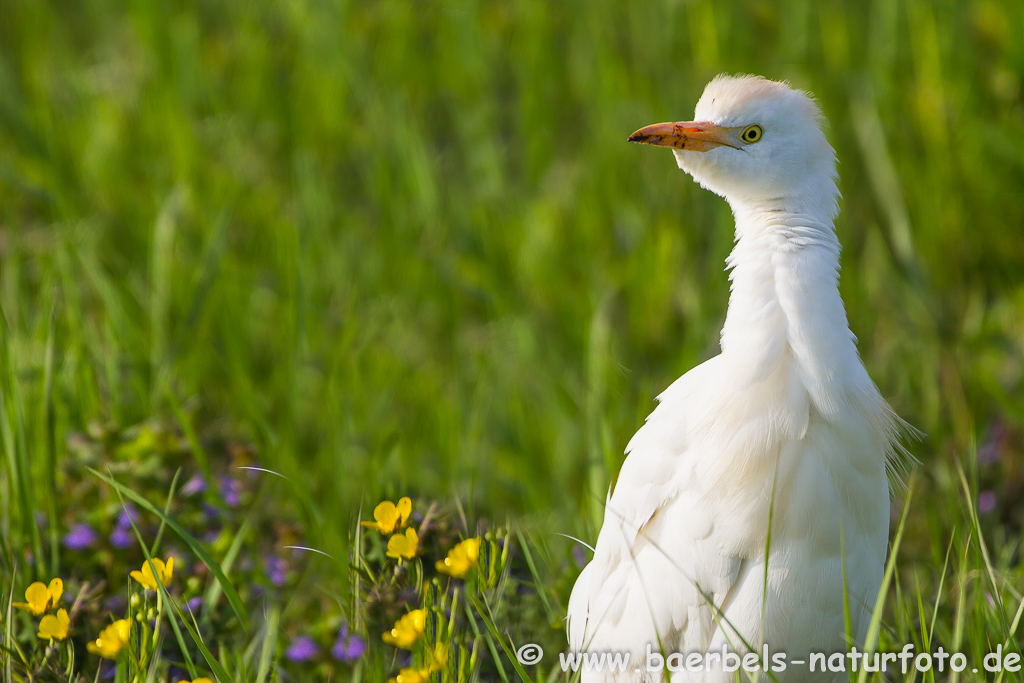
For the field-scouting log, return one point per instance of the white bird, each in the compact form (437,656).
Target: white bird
(784,427)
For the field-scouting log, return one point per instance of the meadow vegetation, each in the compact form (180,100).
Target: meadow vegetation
(264,265)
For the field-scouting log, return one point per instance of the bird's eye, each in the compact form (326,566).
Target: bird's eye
(752,134)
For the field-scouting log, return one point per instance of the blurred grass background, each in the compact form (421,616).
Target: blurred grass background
(405,247)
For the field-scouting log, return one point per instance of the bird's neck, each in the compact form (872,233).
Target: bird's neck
(785,310)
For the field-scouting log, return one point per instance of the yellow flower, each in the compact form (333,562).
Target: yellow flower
(461,558)
(439,657)
(411,675)
(146,578)
(407,546)
(112,639)
(407,630)
(41,597)
(202,679)
(390,516)
(51,627)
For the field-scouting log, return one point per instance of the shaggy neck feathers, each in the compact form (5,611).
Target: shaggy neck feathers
(785,307)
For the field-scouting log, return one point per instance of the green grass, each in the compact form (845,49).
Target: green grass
(402,248)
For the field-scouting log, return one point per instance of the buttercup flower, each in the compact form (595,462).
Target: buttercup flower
(407,630)
(146,578)
(201,679)
(461,558)
(390,517)
(112,640)
(41,598)
(406,547)
(438,658)
(411,676)
(51,627)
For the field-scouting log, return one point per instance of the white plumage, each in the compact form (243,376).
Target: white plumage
(784,425)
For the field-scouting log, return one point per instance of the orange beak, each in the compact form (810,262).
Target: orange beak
(694,136)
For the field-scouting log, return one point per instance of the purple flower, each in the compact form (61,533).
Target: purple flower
(126,516)
(302,649)
(108,669)
(231,490)
(987,502)
(194,485)
(194,604)
(578,556)
(348,647)
(80,537)
(991,448)
(121,537)
(276,570)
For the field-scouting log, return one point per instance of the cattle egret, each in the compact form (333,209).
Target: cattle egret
(783,428)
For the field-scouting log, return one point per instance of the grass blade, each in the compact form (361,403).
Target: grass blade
(190,541)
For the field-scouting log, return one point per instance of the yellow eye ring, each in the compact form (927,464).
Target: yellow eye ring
(752,134)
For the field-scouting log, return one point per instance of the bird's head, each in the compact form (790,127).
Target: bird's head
(752,141)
